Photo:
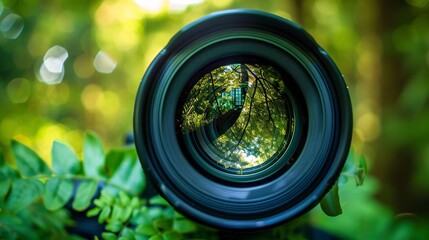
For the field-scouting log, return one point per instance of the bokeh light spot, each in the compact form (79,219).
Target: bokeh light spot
(90,96)
(52,69)
(105,15)
(19,90)
(54,59)
(151,5)
(368,125)
(222,3)
(325,11)
(49,77)
(108,104)
(11,26)
(180,5)
(83,67)
(103,63)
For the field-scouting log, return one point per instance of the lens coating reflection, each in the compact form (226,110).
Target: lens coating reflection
(239,114)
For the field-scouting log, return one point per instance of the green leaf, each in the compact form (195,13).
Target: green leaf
(146,229)
(117,212)
(178,215)
(184,226)
(93,212)
(136,182)
(124,199)
(58,192)
(19,229)
(171,235)
(362,163)
(157,237)
(100,203)
(93,156)
(330,204)
(105,213)
(162,224)
(4,188)
(135,202)
(115,156)
(155,212)
(158,200)
(114,226)
(129,175)
(107,197)
(355,167)
(28,162)
(361,170)
(23,193)
(10,220)
(84,194)
(126,214)
(141,216)
(108,236)
(64,159)
(342,180)
(128,233)
(140,237)
(6,172)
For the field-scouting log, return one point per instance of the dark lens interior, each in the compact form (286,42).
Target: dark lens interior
(239,115)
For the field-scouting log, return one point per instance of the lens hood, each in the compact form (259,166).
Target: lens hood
(242,122)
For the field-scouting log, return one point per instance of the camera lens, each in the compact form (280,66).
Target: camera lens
(242,121)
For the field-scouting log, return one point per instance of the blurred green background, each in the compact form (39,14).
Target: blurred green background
(68,67)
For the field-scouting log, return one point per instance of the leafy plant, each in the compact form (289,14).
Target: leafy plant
(132,218)
(38,201)
(34,197)
(355,168)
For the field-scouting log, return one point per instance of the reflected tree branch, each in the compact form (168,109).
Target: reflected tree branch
(258,79)
(248,115)
(214,93)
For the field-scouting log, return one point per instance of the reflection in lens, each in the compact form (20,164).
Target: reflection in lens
(239,115)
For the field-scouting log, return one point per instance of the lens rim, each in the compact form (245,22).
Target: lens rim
(259,204)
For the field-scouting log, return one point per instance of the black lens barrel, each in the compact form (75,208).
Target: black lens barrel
(186,158)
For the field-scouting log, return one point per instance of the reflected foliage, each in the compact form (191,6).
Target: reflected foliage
(242,110)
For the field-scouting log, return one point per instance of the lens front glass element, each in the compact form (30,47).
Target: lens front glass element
(238,115)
